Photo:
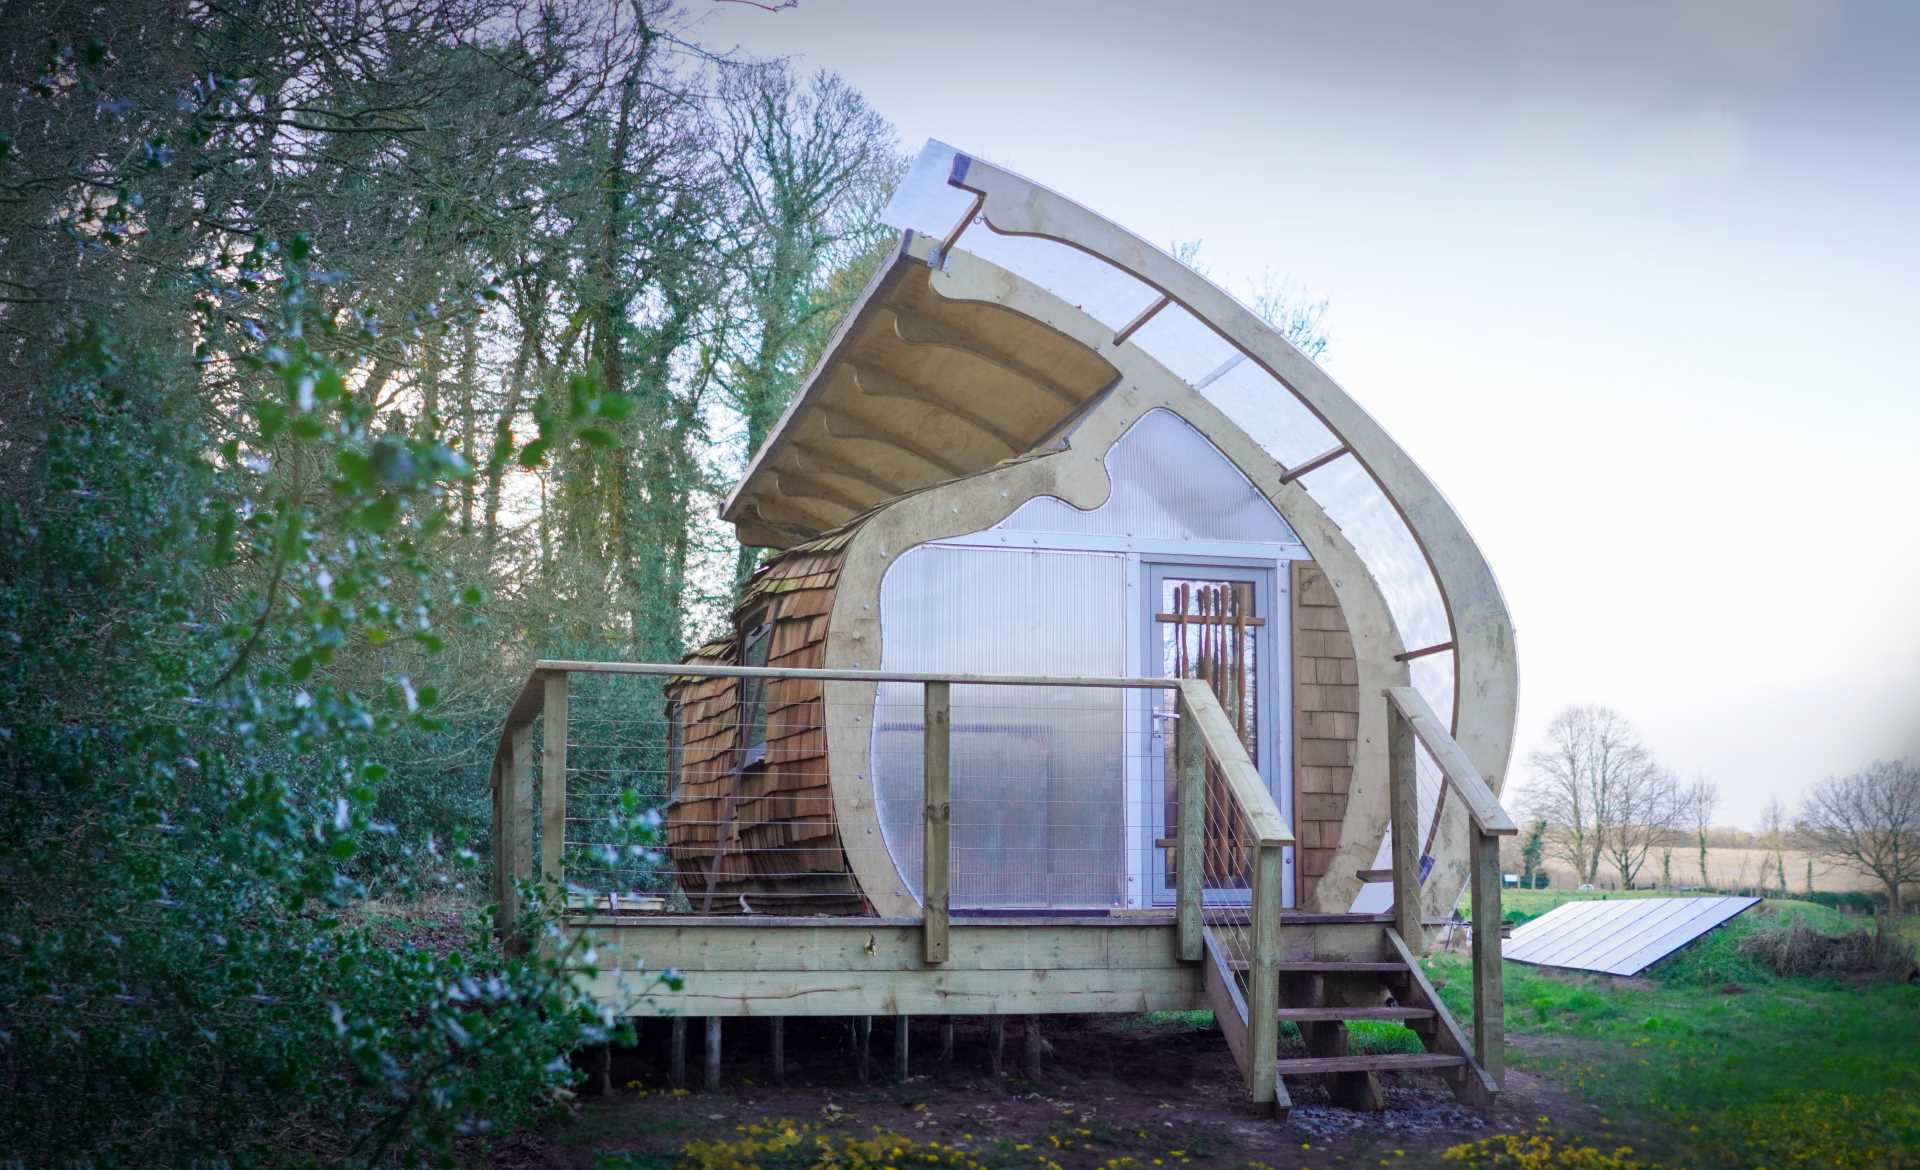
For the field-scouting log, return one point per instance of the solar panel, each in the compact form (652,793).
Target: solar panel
(1618,936)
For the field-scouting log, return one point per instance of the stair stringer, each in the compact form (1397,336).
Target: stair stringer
(1472,1084)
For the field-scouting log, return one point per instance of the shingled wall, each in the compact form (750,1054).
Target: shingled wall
(763,839)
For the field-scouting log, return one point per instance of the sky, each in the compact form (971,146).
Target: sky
(1637,285)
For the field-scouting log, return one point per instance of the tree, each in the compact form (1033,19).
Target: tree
(1532,853)
(1590,783)
(1645,807)
(809,167)
(1869,822)
(1773,834)
(1702,798)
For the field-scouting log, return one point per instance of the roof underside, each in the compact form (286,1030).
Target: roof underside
(917,389)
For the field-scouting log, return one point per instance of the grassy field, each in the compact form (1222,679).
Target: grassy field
(1738,1067)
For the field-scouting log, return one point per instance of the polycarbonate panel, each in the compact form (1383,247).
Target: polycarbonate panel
(1184,344)
(1169,483)
(1038,773)
(923,202)
(1368,519)
(1272,416)
(1097,288)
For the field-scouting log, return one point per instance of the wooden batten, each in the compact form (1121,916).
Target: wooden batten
(1326,724)
(763,838)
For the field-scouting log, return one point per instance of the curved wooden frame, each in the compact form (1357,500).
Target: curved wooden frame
(1077,474)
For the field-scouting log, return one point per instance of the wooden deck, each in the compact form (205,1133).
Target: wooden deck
(767,966)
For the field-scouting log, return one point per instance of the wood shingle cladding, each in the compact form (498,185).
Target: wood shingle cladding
(761,837)
(1326,722)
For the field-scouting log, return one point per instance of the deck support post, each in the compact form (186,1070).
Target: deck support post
(1404,798)
(1489,1001)
(863,1047)
(677,1053)
(1036,1046)
(997,1044)
(1263,978)
(713,1053)
(937,749)
(946,1040)
(902,1033)
(777,1048)
(553,784)
(1190,754)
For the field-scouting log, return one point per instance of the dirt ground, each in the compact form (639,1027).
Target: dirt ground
(1111,1086)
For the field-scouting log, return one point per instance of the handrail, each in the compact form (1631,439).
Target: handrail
(545,694)
(1410,719)
(1482,805)
(1229,754)
(1202,734)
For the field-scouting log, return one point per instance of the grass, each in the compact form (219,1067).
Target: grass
(1744,1069)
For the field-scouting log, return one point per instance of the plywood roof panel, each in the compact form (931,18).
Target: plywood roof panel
(917,389)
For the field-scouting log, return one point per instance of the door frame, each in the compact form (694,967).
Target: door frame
(1273,711)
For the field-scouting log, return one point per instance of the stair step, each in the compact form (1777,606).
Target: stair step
(1301,1015)
(1367,1062)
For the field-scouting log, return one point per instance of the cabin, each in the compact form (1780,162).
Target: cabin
(1109,657)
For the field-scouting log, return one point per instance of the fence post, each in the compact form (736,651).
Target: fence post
(517,814)
(935,841)
(1190,759)
(1263,974)
(553,783)
(1404,796)
(1489,1024)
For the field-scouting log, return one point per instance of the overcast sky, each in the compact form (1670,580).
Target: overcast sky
(1639,286)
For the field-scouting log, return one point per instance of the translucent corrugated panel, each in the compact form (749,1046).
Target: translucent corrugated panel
(1270,414)
(1184,344)
(1038,773)
(1169,483)
(923,202)
(1097,288)
(1380,536)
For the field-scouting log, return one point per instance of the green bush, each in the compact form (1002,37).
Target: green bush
(208,615)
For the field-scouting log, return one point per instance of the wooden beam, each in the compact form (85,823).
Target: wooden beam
(798,485)
(1190,755)
(1436,648)
(1147,314)
(923,991)
(846,426)
(916,329)
(1404,811)
(1313,464)
(1482,805)
(876,383)
(937,751)
(1489,1000)
(677,1052)
(713,1053)
(553,781)
(808,457)
(902,1033)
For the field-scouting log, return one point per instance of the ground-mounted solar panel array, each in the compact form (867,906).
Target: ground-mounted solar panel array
(1619,936)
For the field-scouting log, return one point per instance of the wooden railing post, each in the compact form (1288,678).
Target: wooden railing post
(553,783)
(1489,1001)
(1263,974)
(1404,798)
(936,841)
(514,836)
(1190,761)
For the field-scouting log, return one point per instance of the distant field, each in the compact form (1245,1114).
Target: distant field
(1728,869)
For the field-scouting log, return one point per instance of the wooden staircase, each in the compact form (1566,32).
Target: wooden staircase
(1320,997)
